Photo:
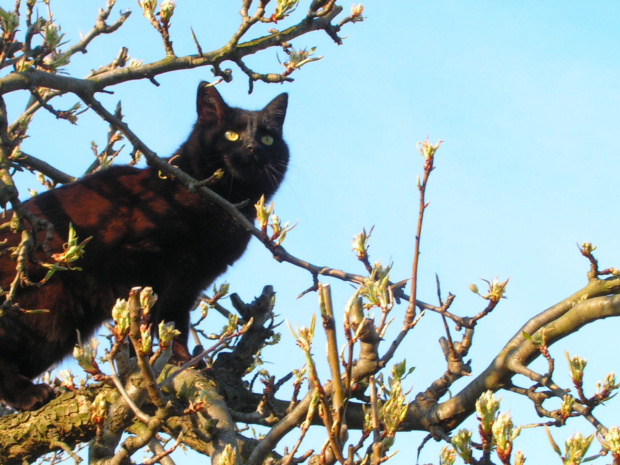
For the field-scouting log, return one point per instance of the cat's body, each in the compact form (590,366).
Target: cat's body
(148,230)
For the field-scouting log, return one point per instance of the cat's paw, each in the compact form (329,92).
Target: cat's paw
(33,397)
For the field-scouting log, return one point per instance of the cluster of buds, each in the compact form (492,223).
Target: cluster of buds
(67,379)
(9,22)
(504,434)
(56,59)
(496,290)
(566,409)
(229,456)
(120,316)
(147,300)
(148,8)
(487,407)
(461,442)
(52,36)
(284,8)
(427,149)
(356,12)
(219,292)
(263,213)
(86,356)
(394,408)
(376,288)
(576,448)
(587,248)
(496,430)
(611,441)
(73,251)
(161,24)
(267,218)
(447,456)
(298,58)
(99,407)
(166,11)
(146,339)
(577,365)
(360,244)
(304,335)
(605,387)
(167,333)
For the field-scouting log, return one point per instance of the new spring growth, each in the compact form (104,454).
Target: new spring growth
(229,456)
(86,356)
(605,387)
(284,8)
(99,407)
(360,244)
(304,335)
(356,12)
(52,36)
(72,252)
(576,448)
(504,434)
(262,214)
(496,290)
(487,406)
(120,315)
(447,456)
(23,64)
(134,63)
(462,444)
(587,248)
(148,8)
(167,333)
(266,217)
(146,339)
(519,458)
(166,10)
(299,58)
(279,231)
(376,288)
(67,379)
(427,149)
(611,441)
(576,365)
(147,300)
(220,292)
(394,409)
(567,406)
(9,22)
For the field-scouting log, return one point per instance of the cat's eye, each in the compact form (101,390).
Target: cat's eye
(267,140)
(231,135)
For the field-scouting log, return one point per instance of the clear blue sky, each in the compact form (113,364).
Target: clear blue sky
(526,96)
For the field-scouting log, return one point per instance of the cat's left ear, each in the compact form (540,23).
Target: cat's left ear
(210,105)
(276,109)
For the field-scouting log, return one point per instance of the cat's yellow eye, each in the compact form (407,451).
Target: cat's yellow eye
(267,140)
(231,135)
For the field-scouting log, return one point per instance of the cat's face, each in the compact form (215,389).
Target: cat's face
(253,153)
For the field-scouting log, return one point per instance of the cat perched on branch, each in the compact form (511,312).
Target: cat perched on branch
(147,230)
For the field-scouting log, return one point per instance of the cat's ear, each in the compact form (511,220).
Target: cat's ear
(276,109)
(210,105)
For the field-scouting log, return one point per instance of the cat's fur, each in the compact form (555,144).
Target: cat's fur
(148,230)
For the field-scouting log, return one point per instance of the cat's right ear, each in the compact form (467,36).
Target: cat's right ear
(209,105)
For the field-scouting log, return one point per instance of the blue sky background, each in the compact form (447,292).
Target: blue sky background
(526,97)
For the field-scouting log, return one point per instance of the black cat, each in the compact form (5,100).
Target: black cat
(148,230)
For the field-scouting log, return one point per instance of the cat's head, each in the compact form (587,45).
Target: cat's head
(247,145)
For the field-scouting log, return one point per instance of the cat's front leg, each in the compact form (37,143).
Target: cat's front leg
(21,393)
